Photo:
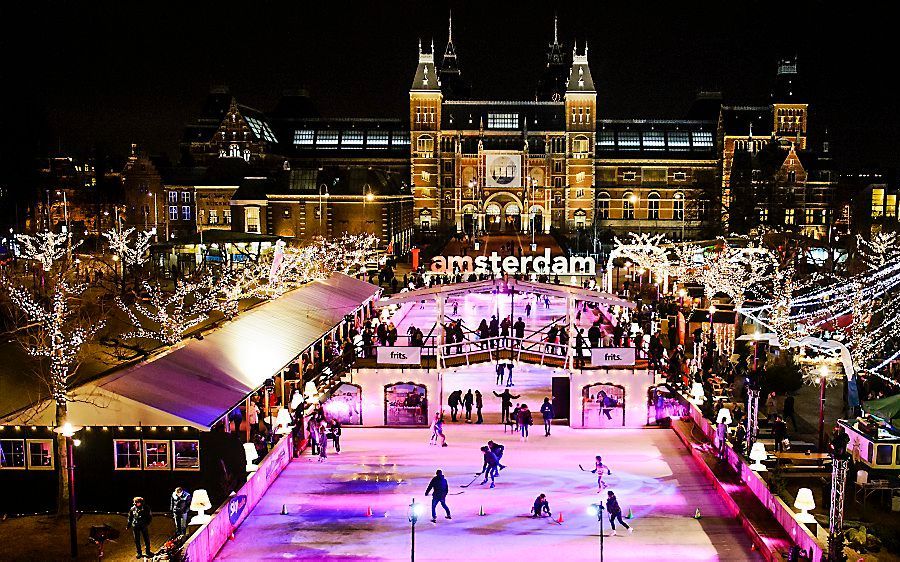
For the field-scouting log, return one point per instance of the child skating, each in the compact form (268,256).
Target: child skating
(437,430)
(599,467)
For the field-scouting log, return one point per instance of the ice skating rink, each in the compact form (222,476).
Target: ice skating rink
(383,469)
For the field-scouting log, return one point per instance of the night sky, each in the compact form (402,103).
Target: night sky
(94,74)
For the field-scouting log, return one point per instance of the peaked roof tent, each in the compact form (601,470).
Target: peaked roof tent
(197,382)
(491,284)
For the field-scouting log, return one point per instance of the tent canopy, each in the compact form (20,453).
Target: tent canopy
(886,408)
(196,382)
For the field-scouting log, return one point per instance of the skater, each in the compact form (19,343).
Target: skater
(440,488)
(335,434)
(468,402)
(313,439)
(139,518)
(322,434)
(479,403)
(615,512)
(453,401)
(490,465)
(525,420)
(497,449)
(547,413)
(528,310)
(541,507)
(501,369)
(509,381)
(599,467)
(437,430)
(515,417)
(179,504)
(505,402)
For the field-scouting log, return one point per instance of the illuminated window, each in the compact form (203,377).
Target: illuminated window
(790,216)
(763,215)
(877,202)
(327,138)
(185,196)
(629,139)
(792,176)
(426,176)
(213,216)
(629,176)
(503,121)
(186,213)
(702,139)
(607,139)
(580,218)
(156,455)
(581,146)
(579,177)
(603,205)
(303,179)
(173,213)
(678,206)
(425,146)
(679,176)
(679,140)
(579,193)
(352,139)
(226,214)
(810,216)
(400,139)
(12,454)
(890,209)
(40,454)
(654,140)
(627,206)
(127,454)
(377,138)
(304,137)
(173,197)
(286,212)
(653,206)
(251,219)
(187,454)
(261,129)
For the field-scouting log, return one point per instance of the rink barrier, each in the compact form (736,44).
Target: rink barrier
(209,539)
(797,531)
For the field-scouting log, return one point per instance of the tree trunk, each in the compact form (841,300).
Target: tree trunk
(62,464)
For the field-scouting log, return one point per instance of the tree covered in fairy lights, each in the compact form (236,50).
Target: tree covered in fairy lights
(131,251)
(167,315)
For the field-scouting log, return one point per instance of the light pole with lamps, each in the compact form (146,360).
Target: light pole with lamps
(597,509)
(634,201)
(68,431)
(155,216)
(415,510)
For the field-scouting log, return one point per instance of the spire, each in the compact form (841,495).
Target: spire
(555,29)
(450,28)
(452,84)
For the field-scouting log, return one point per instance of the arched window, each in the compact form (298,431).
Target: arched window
(425,219)
(628,200)
(425,146)
(653,206)
(581,146)
(603,205)
(678,206)
(580,218)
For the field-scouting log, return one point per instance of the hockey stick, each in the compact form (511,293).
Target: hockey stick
(473,480)
(582,468)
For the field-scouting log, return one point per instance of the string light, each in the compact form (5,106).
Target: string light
(131,252)
(45,247)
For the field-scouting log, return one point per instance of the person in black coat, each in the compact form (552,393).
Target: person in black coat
(139,518)
(615,512)
(468,401)
(788,410)
(501,370)
(439,487)
(547,413)
(505,404)
(180,504)
(541,507)
(453,401)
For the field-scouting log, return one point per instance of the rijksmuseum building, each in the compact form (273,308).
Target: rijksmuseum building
(544,159)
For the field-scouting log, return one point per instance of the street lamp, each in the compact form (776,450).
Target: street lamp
(823,379)
(155,216)
(415,510)
(597,509)
(68,431)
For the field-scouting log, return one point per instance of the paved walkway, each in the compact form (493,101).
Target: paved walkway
(382,469)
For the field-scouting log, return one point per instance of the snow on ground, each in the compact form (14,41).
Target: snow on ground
(383,469)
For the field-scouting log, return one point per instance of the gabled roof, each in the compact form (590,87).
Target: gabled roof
(580,80)
(426,77)
(197,382)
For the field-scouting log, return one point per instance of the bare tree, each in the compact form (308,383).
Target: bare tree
(166,316)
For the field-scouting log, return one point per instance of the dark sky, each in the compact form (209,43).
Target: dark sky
(107,74)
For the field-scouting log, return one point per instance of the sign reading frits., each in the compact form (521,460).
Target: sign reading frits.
(399,355)
(612,356)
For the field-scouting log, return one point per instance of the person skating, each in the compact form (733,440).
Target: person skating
(479,404)
(498,450)
(322,434)
(509,381)
(180,503)
(547,413)
(615,512)
(468,402)
(439,487)
(453,401)
(524,419)
(139,518)
(505,403)
(437,430)
(335,435)
(599,467)
(501,371)
(489,469)
(541,507)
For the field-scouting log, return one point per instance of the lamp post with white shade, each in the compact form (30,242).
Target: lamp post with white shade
(415,510)
(68,431)
(597,509)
